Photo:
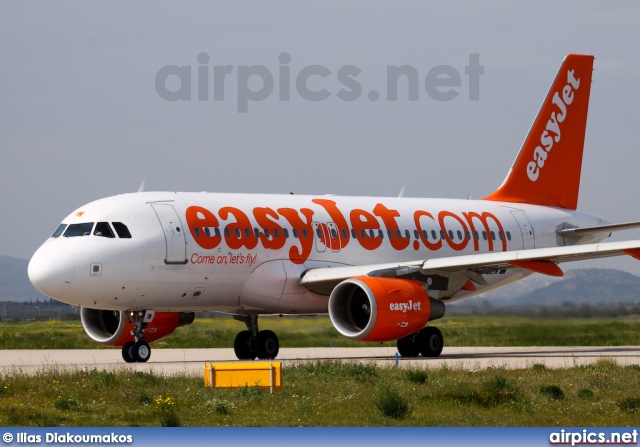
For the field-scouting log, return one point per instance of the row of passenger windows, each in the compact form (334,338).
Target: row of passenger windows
(275,232)
(101,229)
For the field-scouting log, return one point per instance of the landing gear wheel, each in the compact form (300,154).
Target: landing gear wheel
(242,346)
(127,352)
(141,351)
(430,342)
(266,345)
(408,346)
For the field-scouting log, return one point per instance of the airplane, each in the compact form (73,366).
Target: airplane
(141,264)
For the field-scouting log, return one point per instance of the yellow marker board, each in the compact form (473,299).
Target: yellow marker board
(266,375)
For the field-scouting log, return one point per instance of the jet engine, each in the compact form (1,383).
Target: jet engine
(381,309)
(113,328)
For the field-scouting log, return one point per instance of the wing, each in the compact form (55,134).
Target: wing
(462,271)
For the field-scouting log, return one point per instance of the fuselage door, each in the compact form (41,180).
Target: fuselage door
(334,236)
(175,240)
(321,236)
(528,236)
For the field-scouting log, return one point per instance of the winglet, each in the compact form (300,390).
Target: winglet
(547,169)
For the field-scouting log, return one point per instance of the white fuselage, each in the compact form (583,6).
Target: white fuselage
(203,251)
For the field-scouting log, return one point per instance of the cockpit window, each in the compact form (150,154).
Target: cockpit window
(81,229)
(122,230)
(104,230)
(59,230)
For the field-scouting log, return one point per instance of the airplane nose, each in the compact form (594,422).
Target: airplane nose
(51,270)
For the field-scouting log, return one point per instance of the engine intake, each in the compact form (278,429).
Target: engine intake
(381,309)
(111,327)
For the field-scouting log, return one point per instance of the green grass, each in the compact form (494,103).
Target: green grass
(328,394)
(318,331)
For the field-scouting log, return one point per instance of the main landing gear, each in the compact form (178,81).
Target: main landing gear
(138,351)
(427,342)
(252,343)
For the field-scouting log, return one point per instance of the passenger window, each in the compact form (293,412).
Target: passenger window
(59,230)
(390,234)
(442,236)
(266,233)
(371,234)
(344,233)
(353,233)
(227,233)
(434,235)
(500,235)
(122,230)
(381,234)
(407,234)
(476,236)
(363,234)
(247,232)
(319,232)
(399,234)
(276,233)
(467,235)
(304,233)
(459,234)
(207,231)
(81,229)
(334,233)
(295,233)
(217,231)
(493,236)
(425,234)
(237,232)
(450,234)
(508,236)
(484,235)
(416,234)
(286,233)
(104,230)
(196,230)
(256,232)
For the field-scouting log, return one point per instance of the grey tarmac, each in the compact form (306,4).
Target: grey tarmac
(192,361)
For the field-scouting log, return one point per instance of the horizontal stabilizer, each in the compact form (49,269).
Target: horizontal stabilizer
(583,231)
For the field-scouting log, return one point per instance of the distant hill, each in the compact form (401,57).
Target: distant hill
(580,287)
(14,281)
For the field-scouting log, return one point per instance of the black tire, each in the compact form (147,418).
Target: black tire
(267,345)
(141,351)
(408,346)
(127,352)
(242,346)
(430,342)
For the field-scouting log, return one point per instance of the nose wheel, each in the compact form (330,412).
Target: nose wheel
(138,351)
(253,343)
(133,352)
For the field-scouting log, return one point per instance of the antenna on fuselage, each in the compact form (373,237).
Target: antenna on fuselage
(141,189)
(401,192)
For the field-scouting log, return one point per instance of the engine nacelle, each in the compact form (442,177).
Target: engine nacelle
(381,309)
(113,328)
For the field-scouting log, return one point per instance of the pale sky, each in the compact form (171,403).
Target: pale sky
(80,117)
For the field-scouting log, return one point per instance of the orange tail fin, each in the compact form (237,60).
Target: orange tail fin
(547,169)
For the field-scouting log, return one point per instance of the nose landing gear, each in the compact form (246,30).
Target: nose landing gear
(138,351)
(253,343)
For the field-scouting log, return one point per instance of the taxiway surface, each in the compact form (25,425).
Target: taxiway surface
(192,361)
